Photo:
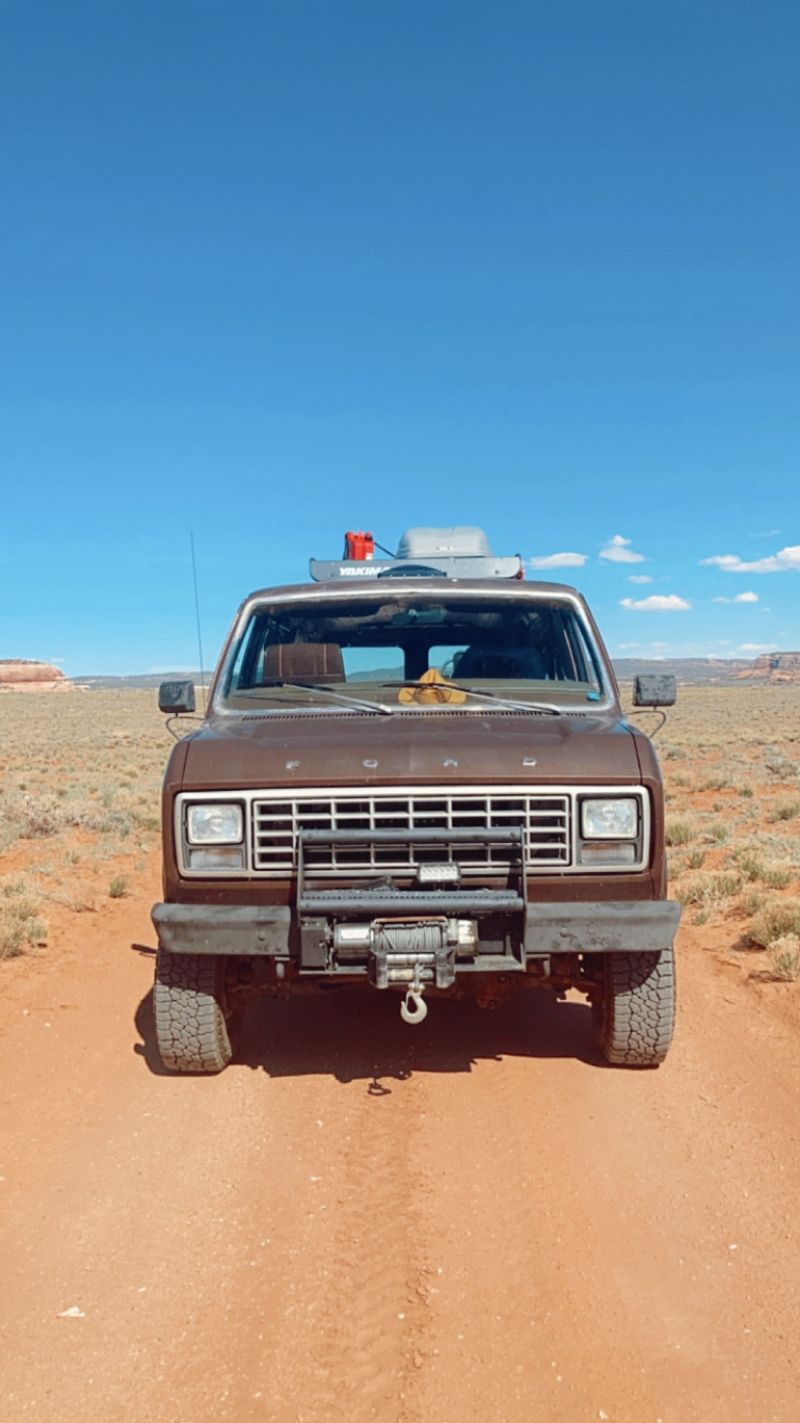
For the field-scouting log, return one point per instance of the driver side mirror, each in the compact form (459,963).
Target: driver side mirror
(176,697)
(654,689)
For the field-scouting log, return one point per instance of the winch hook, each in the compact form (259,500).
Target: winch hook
(413,1008)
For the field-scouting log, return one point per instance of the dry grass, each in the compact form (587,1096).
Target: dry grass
(730,761)
(80,781)
(776,920)
(785,965)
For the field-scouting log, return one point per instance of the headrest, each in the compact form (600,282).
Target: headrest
(304,662)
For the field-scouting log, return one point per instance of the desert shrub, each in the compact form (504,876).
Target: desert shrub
(710,890)
(115,822)
(695,858)
(784,810)
(28,817)
(752,902)
(778,763)
(21,926)
(713,783)
(786,958)
(118,887)
(775,920)
(678,832)
(718,832)
(748,861)
(776,876)
(745,791)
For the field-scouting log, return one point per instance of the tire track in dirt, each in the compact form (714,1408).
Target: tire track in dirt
(374,1300)
(509,1220)
(364,1302)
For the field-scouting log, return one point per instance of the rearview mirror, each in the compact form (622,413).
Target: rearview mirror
(175,697)
(654,689)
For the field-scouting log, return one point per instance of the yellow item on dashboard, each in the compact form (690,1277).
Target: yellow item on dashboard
(432,688)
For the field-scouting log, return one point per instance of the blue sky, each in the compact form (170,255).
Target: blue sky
(272,270)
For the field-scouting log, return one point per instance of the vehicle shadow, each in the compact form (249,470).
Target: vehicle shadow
(355,1034)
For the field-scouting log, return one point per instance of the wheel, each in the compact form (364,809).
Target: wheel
(192,1031)
(636,1018)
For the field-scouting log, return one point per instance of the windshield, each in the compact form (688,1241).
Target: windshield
(377,649)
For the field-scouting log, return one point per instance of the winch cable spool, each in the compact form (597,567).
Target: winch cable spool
(410,949)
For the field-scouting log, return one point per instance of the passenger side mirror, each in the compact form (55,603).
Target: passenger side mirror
(176,697)
(654,689)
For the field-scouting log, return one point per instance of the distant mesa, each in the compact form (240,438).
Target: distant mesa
(773,667)
(26,676)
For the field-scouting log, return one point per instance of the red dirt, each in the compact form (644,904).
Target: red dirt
(473,1220)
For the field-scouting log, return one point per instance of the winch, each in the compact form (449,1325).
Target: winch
(413,952)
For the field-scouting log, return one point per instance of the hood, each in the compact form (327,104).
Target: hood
(329,749)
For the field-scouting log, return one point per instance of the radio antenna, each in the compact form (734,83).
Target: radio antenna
(197,617)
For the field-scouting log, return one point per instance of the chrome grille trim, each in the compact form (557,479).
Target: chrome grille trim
(545,818)
(548,814)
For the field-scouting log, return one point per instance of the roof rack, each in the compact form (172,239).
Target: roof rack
(459,552)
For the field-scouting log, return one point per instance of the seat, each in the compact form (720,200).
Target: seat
(304,662)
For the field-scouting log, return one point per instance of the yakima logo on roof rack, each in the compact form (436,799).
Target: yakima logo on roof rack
(459,552)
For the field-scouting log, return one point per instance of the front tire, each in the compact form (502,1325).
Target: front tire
(637,1015)
(192,1029)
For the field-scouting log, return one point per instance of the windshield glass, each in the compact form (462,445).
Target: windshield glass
(526,649)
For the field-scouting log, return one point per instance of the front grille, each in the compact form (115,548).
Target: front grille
(544,818)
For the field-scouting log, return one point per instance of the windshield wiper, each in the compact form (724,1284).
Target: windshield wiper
(495,697)
(342,697)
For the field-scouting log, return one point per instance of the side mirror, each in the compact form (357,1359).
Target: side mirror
(175,697)
(654,689)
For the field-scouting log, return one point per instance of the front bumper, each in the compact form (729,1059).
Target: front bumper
(612,926)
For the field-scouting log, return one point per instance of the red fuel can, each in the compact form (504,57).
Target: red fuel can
(358,545)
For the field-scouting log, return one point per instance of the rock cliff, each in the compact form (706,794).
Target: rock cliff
(24,676)
(773,667)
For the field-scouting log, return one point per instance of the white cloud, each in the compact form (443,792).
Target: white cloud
(618,550)
(757,647)
(657,603)
(784,561)
(740,598)
(639,578)
(559,560)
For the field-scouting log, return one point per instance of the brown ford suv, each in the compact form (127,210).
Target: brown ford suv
(414,774)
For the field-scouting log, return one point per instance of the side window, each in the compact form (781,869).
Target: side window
(586,669)
(244,669)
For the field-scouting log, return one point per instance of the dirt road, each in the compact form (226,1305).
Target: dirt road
(470,1220)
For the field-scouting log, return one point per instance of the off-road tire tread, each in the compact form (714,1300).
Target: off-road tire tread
(638,1016)
(191,1031)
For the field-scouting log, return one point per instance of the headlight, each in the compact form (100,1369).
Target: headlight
(219,824)
(609,819)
